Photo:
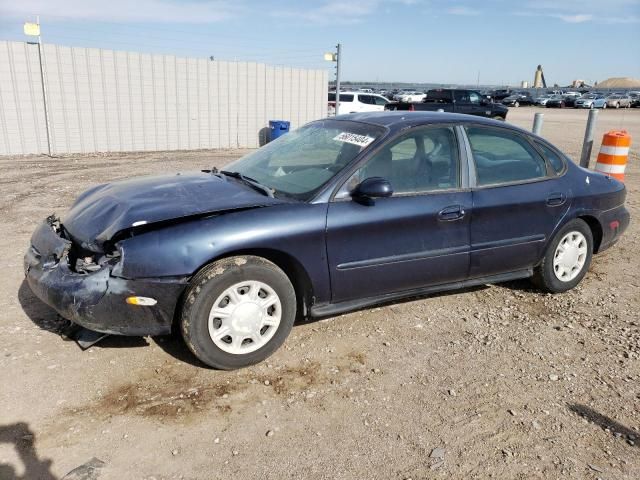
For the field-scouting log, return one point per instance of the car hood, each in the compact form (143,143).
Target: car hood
(102,211)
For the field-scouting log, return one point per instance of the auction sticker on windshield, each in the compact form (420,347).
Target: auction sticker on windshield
(355,139)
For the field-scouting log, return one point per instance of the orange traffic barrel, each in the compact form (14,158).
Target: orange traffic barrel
(614,153)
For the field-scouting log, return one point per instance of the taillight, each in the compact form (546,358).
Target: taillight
(412,108)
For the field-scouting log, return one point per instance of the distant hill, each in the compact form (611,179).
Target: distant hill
(620,82)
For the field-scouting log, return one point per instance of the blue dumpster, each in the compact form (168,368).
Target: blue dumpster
(278,128)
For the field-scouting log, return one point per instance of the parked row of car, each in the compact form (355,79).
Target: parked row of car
(574,100)
(474,102)
(469,102)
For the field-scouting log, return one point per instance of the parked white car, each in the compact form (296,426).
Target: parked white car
(618,100)
(397,95)
(542,99)
(354,102)
(412,97)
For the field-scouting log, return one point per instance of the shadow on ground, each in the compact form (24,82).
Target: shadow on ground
(605,422)
(23,440)
(174,345)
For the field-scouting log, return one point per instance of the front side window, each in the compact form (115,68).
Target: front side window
(380,101)
(423,160)
(503,157)
(302,161)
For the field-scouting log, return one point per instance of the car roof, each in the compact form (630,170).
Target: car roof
(397,120)
(352,92)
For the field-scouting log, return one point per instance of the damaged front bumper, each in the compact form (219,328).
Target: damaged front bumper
(97,300)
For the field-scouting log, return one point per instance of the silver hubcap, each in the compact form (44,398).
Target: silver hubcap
(245,317)
(570,256)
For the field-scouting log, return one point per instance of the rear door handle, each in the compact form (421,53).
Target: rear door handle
(452,213)
(556,199)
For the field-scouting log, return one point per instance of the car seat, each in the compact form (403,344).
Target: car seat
(379,166)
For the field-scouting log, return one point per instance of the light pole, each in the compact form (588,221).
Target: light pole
(33,30)
(336,57)
(338,62)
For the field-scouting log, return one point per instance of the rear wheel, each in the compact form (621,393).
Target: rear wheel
(517,104)
(567,258)
(237,311)
(498,117)
(617,104)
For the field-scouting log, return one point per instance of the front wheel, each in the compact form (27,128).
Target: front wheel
(604,105)
(567,258)
(517,104)
(237,311)
(498,117)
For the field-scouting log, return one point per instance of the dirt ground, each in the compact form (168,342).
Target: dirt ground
(494,382)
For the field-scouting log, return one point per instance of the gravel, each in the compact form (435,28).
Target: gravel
(568,365)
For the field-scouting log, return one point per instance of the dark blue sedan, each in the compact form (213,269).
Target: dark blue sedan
(337,215)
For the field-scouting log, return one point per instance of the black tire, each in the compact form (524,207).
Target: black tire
(544,276)
(517,104)
(498,117)
(206,286)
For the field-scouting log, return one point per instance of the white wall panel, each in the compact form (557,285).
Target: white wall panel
(104,100)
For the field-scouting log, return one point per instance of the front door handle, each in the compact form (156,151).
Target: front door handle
(452,213)
(556,199)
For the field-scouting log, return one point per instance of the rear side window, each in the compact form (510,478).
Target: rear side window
(554,159)
(343,97)
(368,99)
(503,157)
(440,96)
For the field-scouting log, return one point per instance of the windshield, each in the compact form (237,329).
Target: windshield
(299,163)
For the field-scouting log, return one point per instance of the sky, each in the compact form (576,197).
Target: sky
(498,42)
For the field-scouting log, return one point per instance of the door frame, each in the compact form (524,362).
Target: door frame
(549,177)
(471,165)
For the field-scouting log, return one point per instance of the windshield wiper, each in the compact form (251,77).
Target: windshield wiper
(250,181)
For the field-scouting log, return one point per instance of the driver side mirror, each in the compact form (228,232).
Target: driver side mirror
(373,187)
(484,101)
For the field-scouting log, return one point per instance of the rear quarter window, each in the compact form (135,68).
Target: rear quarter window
(555,160)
